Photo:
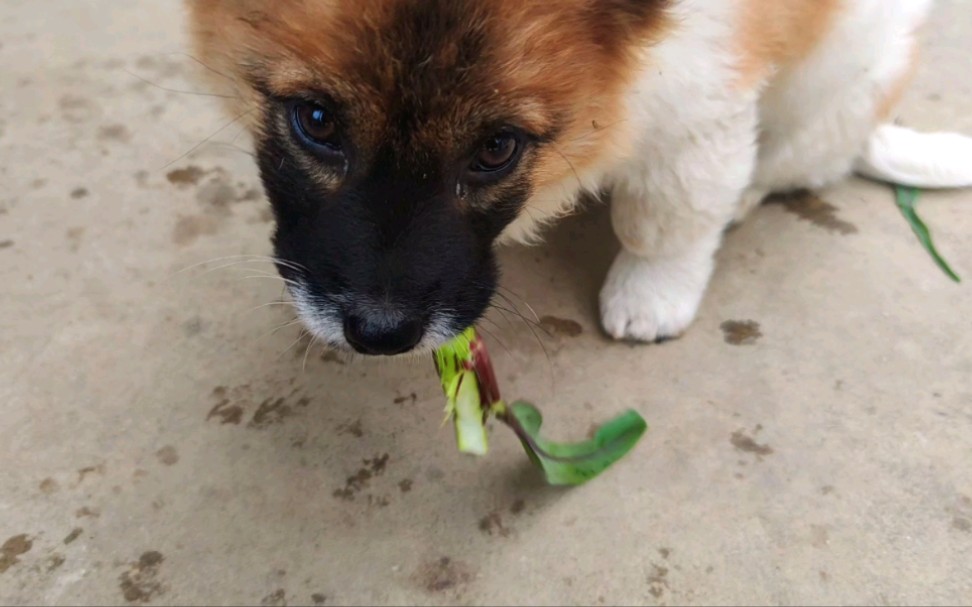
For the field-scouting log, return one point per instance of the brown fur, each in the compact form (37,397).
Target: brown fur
(772,34)
(433,71)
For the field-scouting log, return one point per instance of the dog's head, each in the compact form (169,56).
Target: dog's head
(397,139)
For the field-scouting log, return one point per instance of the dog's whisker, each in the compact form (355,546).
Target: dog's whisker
(234,147)
(507,290)
(237,260)
(182,92)
(278,328)
(218,259)
(271,277)
(270,304)
(503,313)
(303,365)
(516,311)
(580,183)
(208,139)
(300,336)
(203,64)
(492,336)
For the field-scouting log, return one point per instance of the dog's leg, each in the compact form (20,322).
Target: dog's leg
(818,117)
(669,210)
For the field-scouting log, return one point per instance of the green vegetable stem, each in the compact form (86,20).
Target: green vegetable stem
(472,395)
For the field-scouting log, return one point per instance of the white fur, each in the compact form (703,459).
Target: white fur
(324,320)
(707,151)
(321,317)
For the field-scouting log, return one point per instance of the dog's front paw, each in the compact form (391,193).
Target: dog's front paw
(652,301)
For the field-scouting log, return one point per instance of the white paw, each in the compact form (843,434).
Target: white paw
(655,300)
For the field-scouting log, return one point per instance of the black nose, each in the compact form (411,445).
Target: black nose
(382,337)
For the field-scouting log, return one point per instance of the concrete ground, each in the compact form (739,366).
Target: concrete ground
(161,444)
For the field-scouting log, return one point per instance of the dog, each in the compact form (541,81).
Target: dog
(400,140)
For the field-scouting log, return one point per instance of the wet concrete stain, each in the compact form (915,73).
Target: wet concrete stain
(442,575)
(741,332)
(87,512)
(79,193)
(411,399)
(810,207)
(192,327)
(12,549)
(114,132)
(492,524)
(353,428)
(87,471)
(378,464)
(561,327)
(405,485)
(55,561)
(744,443)
(961,515)
(277,598)
(48,486)
(76,109)
(224,411)
(274,411)
(140,584)
(75,534)
(167,455)
(330,356)
(185,177)
(217,195)
(380,501)
(319,599)
(658,581)
(227,413)
(188,228)
(74,237)
(355,483)
(6,244)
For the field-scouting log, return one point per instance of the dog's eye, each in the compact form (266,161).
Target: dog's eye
(316,125)
(497,153)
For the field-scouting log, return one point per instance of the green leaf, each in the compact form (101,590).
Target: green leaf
(575,463)
(906,199)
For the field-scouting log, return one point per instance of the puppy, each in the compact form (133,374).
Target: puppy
(399,140)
